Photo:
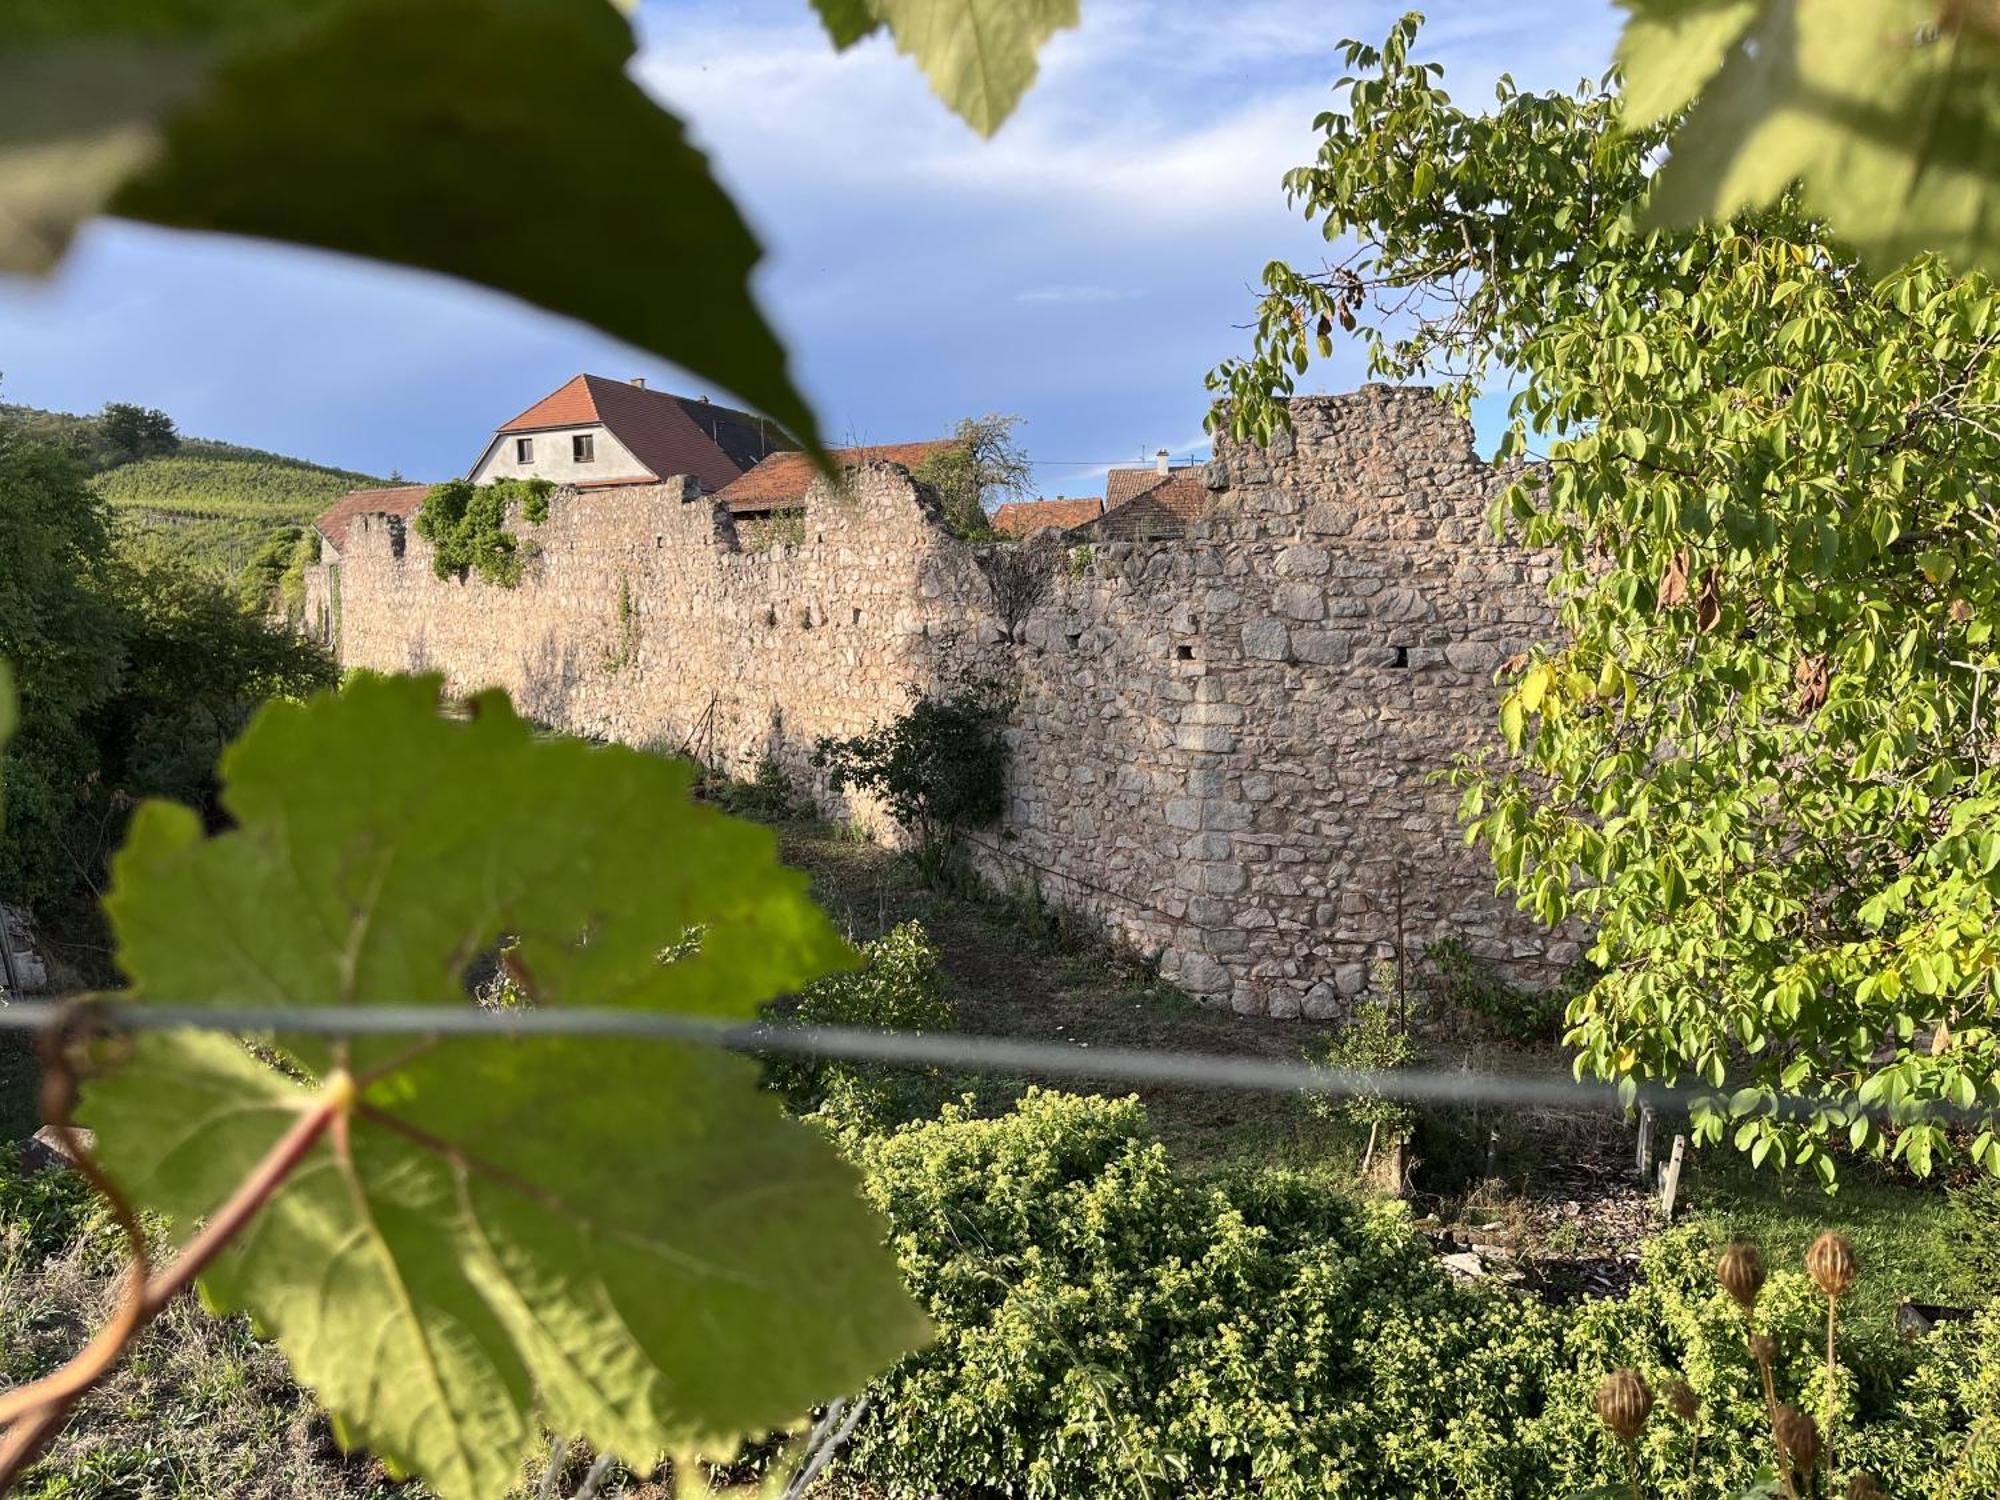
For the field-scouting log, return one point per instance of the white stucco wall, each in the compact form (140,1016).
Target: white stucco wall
(552,458)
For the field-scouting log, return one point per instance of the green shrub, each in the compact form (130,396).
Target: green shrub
(768,797)
(1370,1042)
(899,987)
(1456,983)
(1975,1227)
(941,769)
(1107,1327)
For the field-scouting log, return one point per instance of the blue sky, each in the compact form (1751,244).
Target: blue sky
(1082,270)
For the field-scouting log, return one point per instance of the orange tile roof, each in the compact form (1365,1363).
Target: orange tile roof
(1121,485)
(780,481)
(1158,509)
(669,434)
(1026,517)
(399,500)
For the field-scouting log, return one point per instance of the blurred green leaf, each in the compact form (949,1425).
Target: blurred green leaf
(1888,111)
(978,54)
(497,140)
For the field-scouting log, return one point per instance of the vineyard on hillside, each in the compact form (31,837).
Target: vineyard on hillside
(213,481)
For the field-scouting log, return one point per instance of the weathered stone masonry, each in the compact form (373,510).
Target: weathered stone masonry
(1221,746)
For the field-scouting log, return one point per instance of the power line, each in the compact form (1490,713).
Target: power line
(948,1050)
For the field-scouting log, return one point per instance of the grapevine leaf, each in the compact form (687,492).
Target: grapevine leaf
(978,54)
(1669,51)
(1890,119)
(629,1242)
(847,21)
(245,116)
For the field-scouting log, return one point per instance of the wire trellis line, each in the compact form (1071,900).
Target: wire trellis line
(955,1051)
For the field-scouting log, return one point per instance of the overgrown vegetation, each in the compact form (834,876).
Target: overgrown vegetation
(133,675)
(1108,1327)
(466,525)
(940,769)
(898,987)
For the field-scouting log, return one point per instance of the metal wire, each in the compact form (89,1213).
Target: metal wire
(948,1050)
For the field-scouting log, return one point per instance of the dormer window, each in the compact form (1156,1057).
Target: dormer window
(583,448)
(524,450)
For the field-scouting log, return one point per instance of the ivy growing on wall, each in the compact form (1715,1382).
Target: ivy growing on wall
(466,524)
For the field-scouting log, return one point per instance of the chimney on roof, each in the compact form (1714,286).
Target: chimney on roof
(1160,461)
(639,381)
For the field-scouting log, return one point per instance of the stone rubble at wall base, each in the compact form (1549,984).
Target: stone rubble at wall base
(1221,745)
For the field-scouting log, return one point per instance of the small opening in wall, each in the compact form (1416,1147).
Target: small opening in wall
(856,617)
(1402,656)
(1183,653)
(659,541)
(1074,637)
(805,619)
(770,614)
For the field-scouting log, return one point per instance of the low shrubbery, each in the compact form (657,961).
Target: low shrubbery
(898,987)
(1108,1327)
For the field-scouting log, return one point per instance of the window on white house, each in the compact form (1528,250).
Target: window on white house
(583,448)
(524,450)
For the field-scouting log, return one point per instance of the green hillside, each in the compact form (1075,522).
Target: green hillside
(210,481)
(213,506)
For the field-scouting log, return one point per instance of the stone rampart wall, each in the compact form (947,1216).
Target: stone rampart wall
(1222,744)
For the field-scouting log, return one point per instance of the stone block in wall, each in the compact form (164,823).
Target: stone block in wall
(1267,639)
(1303,562)
(1300,601)
(1324,648)
(1211,739)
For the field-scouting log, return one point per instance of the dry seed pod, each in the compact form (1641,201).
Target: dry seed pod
(1800,1435)
(1763,1348)
(1624,1403)
(1864,1487)
(1741,1272)
(1831,1263)
(1681,1399)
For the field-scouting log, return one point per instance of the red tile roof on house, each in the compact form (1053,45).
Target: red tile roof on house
(1122,485)
(669,434)
(1026,517)
(399,500)
(780,482)
(1157,508)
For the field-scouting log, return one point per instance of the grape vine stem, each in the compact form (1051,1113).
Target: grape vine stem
(32,1414)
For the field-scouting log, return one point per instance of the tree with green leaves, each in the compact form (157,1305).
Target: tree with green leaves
(135,432)
(1761,764)
(985,467)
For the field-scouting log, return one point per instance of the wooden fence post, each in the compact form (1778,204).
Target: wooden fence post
(1670,1177)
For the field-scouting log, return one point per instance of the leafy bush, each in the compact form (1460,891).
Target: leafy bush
(1456,982)
(466,525)
(899,987)
(1370,1042)
(769,796)
(1975,1225)
(941,768)
(1106,1327)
